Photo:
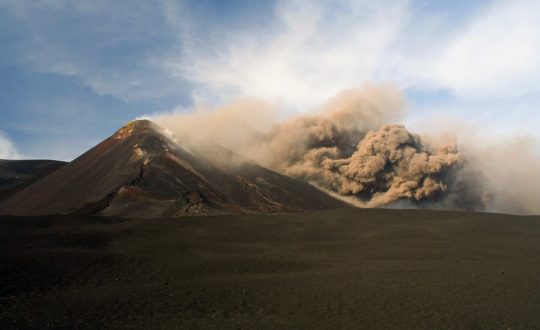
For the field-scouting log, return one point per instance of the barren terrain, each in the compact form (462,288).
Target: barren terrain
(347,268)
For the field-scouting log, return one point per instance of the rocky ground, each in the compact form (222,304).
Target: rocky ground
(348,268)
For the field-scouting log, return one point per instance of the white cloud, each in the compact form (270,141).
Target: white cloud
(319,48)
(106,46)
(301,54)
(7,149)
(498,56)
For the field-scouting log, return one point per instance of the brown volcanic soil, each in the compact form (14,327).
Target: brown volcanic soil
(346,268)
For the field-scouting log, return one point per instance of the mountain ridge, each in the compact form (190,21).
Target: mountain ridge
(140,171)
(18,174)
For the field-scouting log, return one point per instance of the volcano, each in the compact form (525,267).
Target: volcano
(140,171)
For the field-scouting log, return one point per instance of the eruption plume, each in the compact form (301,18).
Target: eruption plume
(350,149)
(388,165)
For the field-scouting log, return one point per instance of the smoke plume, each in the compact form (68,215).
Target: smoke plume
(387,165)
(354,148)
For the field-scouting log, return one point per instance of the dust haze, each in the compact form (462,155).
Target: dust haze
(355,148)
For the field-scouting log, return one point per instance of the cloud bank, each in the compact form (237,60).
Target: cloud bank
(316,49)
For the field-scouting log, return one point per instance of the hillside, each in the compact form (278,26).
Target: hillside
(17,174)
(141,172)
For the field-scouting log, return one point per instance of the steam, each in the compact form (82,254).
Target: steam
(7,149)
(353,148)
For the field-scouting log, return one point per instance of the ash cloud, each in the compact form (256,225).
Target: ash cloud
(388,165)
(354,148)
(504,171)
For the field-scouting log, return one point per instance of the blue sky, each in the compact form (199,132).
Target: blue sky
(72,72)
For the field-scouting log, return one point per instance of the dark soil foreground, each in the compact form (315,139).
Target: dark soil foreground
(346,268)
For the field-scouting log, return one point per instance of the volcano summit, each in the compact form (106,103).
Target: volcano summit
(141,172)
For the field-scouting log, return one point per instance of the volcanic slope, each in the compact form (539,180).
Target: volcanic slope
(17,174)
(141,172)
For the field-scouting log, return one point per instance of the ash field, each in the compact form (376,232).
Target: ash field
(342,268)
